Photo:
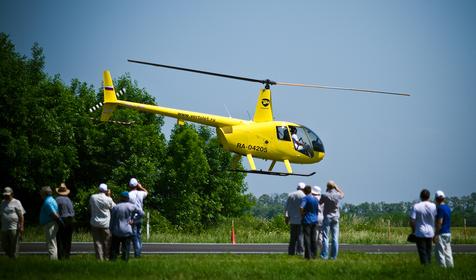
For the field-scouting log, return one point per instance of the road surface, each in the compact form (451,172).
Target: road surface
(221,248)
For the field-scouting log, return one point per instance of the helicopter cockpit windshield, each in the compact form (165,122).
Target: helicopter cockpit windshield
(316,142)
(305,140)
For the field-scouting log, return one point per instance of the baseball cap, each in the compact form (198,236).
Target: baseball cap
(439,194)
(125,194)
(7,191)
(316,190)
(133,183)
(103,187)
(301,186)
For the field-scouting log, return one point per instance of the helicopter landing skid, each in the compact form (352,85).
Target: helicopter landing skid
(272,173)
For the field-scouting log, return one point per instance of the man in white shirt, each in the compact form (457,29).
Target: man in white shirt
(422,222)
(137,194)
(100,205)
(12,219)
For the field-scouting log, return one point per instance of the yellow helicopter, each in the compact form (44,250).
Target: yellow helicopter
(262,137)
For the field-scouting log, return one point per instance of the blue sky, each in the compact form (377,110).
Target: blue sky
(378,148)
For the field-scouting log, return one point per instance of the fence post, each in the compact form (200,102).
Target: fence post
(148,225)
(464,230)
(388,232)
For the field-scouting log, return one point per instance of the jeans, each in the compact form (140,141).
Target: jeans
(295,240)
(424,249)
(310,240)
(443,252)
(136,238)
(332,225)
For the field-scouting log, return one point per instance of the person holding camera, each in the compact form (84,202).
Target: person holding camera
(331,199)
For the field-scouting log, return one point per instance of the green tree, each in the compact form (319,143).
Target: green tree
(197,190)
(113,152)
(184,178)
(36,134)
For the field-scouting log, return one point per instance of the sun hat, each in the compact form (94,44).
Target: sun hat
(301,186)
(316,190)
(62,190)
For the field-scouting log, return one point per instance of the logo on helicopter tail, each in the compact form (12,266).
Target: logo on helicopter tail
(265,102)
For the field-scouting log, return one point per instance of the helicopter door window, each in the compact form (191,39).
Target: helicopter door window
(283,133)
(301,141)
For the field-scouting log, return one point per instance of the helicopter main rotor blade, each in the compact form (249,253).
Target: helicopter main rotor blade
(342,88)
(266,82)
(204,72)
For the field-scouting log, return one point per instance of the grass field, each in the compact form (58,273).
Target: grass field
(263,234)
(227,266)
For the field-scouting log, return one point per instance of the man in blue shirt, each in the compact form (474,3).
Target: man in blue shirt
(309,209)
(48,219)
(442,238)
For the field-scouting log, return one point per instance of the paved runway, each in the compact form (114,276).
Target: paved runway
(221,248)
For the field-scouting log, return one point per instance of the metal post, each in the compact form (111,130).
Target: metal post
(464,230)
(388,232)
(148,225)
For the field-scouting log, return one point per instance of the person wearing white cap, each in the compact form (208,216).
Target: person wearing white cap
(422,222)
(442,238)
(12,223)
(292,216)
(331,199)
(137,194)
(100,205)
(316,192)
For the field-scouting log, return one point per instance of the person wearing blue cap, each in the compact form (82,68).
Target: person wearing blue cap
(122,220)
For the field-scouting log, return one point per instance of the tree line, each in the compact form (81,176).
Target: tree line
(463,208)
(48,136)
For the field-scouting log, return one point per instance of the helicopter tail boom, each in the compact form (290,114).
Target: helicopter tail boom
(109,97)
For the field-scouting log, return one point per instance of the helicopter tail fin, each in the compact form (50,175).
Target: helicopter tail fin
(109,97)
(264,108)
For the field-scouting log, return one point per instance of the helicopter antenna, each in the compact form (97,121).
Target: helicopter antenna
(248,113)
(228,111)
(267,82)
